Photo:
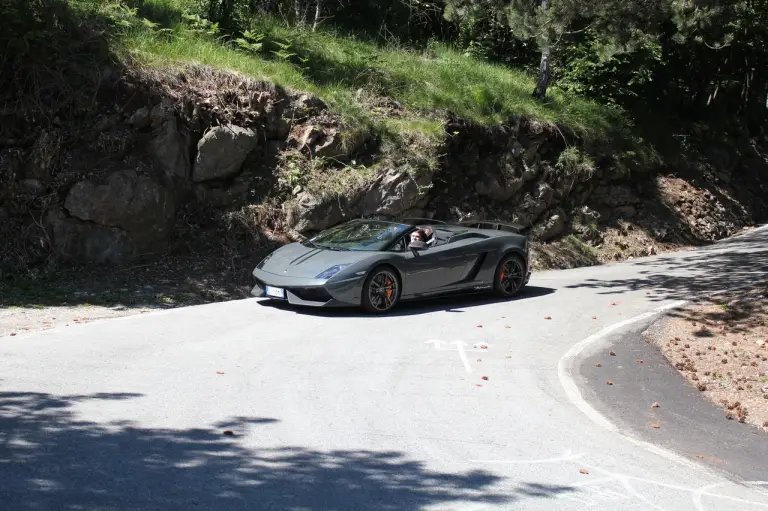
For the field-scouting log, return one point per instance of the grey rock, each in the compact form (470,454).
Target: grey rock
(393,192)
(308,104)
(553,227)
(534,204)
(104,124)
(82,242)
(32,186)
(500,190)
(311,213)
(140,118)
(232,195)
(277,128)
(136,204)
(530,172)
(222,151)
(169,146)
(531,154)
(628,211)
(160,113)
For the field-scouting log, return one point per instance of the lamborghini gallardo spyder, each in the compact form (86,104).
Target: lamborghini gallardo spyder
(375,264)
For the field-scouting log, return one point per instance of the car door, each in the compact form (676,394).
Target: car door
(434,270)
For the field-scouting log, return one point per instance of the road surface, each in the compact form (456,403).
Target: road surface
(335,410)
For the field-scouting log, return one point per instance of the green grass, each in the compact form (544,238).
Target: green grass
(337,66)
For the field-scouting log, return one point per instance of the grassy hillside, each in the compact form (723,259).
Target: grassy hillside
(350,75)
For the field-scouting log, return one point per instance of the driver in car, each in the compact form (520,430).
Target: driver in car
(425,234)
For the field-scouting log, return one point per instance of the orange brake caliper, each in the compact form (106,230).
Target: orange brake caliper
(389,291)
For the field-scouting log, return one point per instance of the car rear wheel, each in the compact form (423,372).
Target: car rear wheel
(510,276)
(381,290)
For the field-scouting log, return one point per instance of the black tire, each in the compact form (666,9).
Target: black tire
(375,299)
(509,278)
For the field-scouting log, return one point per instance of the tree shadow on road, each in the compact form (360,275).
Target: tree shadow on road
(683,277)
(50,458)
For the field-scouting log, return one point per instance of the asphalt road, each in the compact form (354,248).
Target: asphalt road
(336,410)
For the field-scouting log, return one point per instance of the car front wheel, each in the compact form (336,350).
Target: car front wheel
(381,290)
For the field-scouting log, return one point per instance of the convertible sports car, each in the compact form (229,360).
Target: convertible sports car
(374,265)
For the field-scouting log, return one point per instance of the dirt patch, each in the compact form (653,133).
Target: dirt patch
(81,295)
(720,345)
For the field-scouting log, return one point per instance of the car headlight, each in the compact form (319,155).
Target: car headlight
(330,272)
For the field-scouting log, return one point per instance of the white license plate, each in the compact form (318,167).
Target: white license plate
(275,292)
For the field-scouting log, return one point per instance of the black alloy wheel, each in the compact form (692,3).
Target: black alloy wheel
(381,291)
(510,276)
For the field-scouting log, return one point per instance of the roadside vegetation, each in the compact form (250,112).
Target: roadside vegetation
(351,73)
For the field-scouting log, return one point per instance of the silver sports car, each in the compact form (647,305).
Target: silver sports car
(375,264)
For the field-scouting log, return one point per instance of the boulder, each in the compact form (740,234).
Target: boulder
(393,192)
(311,213)
(553,227)
(231,195)
(534,204)
(129,201)
(307,105)
(83,242)
(169,146)
(319,141)
(222,151)
(499,189)
(140,118)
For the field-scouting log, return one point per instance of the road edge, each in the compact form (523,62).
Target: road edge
(568,363)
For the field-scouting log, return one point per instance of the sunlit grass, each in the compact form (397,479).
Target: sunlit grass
(337,66)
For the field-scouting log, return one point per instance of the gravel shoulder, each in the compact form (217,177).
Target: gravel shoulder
(720,346)
(631,382)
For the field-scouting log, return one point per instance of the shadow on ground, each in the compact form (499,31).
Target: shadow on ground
(682,277)
(52,459)
(453,303)
(174,281)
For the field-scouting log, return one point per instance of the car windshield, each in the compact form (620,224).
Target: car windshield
(368,235)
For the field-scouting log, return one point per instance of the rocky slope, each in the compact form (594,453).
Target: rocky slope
(119,184)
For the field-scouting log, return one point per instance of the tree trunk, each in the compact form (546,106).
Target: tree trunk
(318,12)
(540,92)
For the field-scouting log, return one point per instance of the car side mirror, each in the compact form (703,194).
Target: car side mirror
(418,245)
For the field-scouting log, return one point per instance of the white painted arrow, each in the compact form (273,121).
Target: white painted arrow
(463,355)
(436,342)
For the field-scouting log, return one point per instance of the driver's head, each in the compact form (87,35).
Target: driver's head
(421,234)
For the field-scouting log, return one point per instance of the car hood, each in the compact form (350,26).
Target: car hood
(297,260)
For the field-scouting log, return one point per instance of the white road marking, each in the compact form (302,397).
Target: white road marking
(436,342)
(564,374)
(699,493)
(567,456)
(564,366)
(460,345)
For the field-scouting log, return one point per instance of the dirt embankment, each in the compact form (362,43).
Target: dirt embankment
(174,183)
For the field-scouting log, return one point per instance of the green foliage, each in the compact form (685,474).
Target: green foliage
(574,163)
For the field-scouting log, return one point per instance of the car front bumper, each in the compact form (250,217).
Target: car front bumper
(309,292)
